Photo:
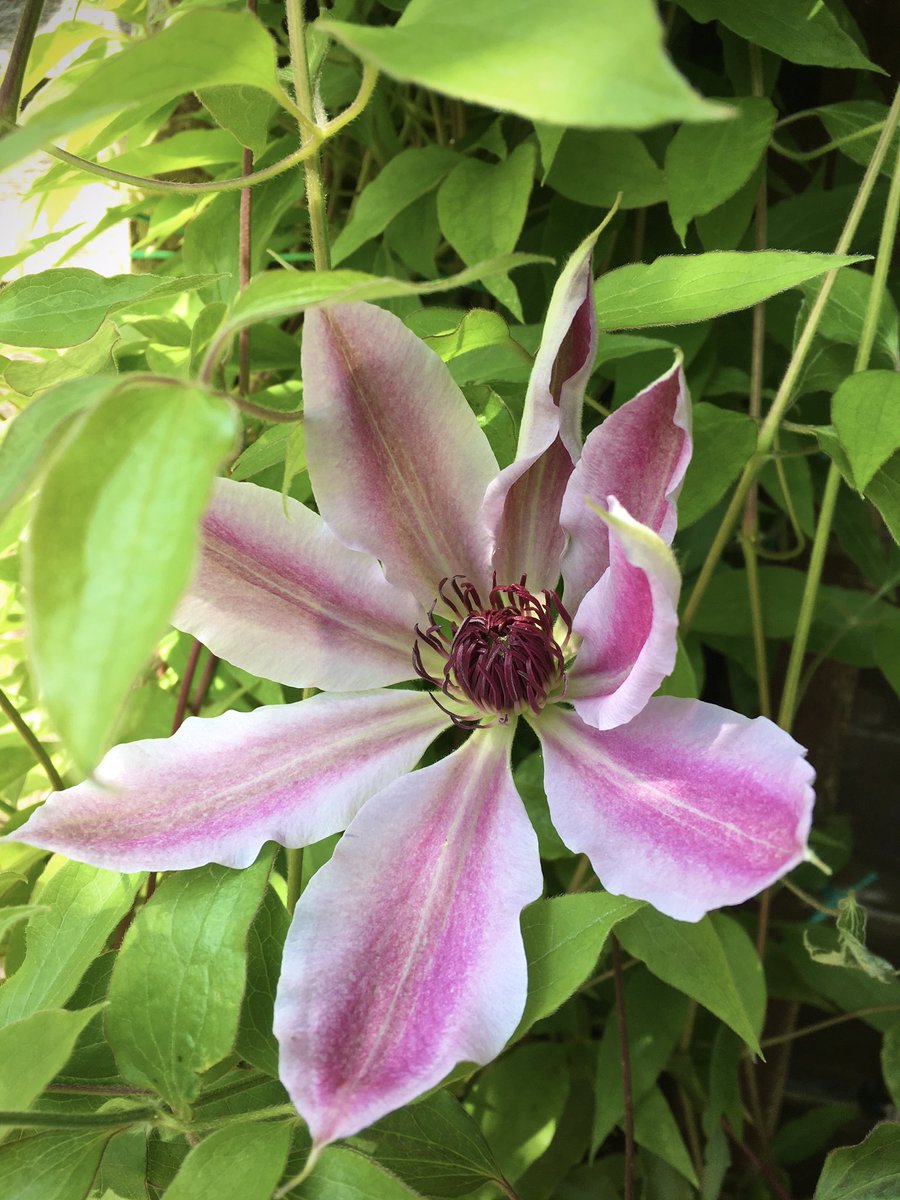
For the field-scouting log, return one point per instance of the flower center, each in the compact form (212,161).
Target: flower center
(502,657)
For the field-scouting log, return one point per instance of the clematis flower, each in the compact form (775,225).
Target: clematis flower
(405,954)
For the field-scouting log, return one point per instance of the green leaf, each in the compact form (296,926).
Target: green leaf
(563,939)
(655,1015)
(844,314)
(36,1049)
(345,1175)
(707,164)
(12,914)
(851,944)
(67,305)
(31,437)
(51,1166)
(529,778)
(598,66)
(92,357)
(198,50)
(855,125)
(83,907)
(884,492)
(481,210)
(242,1162)
(433,1145)
(890,1060)
(244,111)
(812,1132)
(112,546)
(694,287)
(593,168)
(518,1102)
(265,942)
(692,958)
(656,1130)
(866,414)
(745,967)
(869,1171)
(794,29)
(409,175)
(176,990)
(723,441)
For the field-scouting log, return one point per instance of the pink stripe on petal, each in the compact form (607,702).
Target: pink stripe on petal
(276,593)
(689,806)
(640,454)
(405,955)
(628,623)
(523,503)
(219,788)
(398,462)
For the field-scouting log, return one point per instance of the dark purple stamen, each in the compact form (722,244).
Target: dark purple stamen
(503,658)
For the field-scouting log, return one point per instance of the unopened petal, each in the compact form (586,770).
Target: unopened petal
(405,955)
(219,788)
(278,594)
(523,503)
(398,462)
(639,454)
(689,806)
(628,623)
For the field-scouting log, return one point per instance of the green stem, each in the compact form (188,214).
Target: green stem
(818,1026)
(63,1120)
(315,192)
(784,395)
(294,877)
(43,758)
(11,87)
(833,482)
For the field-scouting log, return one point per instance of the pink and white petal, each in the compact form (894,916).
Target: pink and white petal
(398,462)
(276,593)
(564,361)
(405,954)
(628,623)
(689,806)
(522,505)
(640,454)
(219,788)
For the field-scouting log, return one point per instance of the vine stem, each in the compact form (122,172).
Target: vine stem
(818,1026)
(784,395)
(14,78)
(312,165)
(15,719)
(625,1064)
(833,483)
(763,1167)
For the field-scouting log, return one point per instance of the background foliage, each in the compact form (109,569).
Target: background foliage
(737,141)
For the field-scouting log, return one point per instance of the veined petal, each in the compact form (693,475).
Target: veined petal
(219,788)
(628,623)
(639,454)
(522,505)
(276,593)
(398,462)
(689,806)
(405,955)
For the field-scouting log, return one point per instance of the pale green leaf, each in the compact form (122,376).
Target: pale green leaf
(31,437)
(481,209)
(112,546)
(244,111)
(593,168)
(255,1040)
(433,1145)
(12,914)
(695,287)
(723,441)
(855,126)
(176,989)
(409,175)
(83,905)
(692,958)
(794,29)
(36,1049)
(866,414)
(563,939)
(600,63)
(242,1162)
(201,49)
(92,357)
(869,1171)
(51,1166)
(707,164)
(67,305)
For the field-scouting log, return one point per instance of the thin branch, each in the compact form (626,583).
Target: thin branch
(11,87)
(818,1026)
(31,741)
(763,1167)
